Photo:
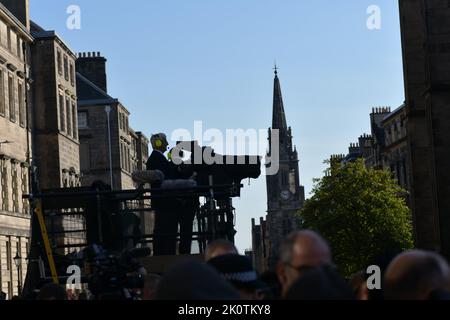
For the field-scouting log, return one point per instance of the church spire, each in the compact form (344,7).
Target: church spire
(279,117)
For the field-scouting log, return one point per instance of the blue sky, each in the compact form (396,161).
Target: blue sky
(172,62)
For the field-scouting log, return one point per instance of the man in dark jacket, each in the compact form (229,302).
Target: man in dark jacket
(164,235)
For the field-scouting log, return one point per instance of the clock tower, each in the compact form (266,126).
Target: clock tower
(285,195)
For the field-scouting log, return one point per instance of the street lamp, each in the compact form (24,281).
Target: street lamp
(108,112)
(18,262)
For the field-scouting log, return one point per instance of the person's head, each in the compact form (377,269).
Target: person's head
(194,280)
(238,271)
(219,248)
(299,252)
(416,275)
(159,142)
(52,291)
(151,282)
(320,283)
(359,285)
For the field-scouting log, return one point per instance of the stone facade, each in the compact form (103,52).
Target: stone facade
(425,26)
(15,149)
(260,245)
(95,134)
(395,155)
(56,127)
(285,195)
(129,149)
(386,147)
(56,148)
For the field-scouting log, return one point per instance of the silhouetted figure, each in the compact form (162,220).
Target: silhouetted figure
(166,219)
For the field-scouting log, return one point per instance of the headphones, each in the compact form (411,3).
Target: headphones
(158,143)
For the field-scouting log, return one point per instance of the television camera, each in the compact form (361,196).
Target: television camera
(84,218)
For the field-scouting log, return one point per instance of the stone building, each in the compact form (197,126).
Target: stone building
(103,145)
(260,252)
(55,135)
(395,155)
(15,143)
(95,134)
(425,26)
(55,120)
(285,195)
(386,146)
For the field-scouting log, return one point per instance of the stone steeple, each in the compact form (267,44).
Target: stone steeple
(285,195)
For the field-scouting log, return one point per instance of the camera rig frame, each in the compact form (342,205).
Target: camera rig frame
(59,222)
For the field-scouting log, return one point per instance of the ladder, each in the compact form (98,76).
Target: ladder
(48,249)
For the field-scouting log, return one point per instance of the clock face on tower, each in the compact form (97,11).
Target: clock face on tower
(285,195)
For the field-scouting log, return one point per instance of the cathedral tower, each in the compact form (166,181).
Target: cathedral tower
(285,195)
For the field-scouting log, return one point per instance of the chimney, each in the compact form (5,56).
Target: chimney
(93,66)
(20,9)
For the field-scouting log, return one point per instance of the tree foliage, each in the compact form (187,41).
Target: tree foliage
(361,212)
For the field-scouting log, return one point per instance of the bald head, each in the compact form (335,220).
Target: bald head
(305,248)
(300,251)
(414,275)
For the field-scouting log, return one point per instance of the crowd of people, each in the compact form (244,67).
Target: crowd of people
(305,271)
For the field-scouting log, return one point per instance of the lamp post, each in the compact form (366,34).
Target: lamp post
(18,263)
(108,113)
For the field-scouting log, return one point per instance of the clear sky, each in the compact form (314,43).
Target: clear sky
(172,62)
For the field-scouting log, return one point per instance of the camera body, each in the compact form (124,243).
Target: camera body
(209,166)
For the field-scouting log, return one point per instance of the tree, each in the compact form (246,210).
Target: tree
(361,212)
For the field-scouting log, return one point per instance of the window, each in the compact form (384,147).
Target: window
(4,182)
(15,189)
(74,121)
(9,38)
(12,99)
(24,189)
(62,117)
(19,48)
(122,156)
(2,94)
(66,68)
(8,254)
(21,105)
(72,74)
(82,119)
(59,61)
(68,115)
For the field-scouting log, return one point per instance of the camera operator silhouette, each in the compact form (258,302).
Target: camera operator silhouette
(170,212)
